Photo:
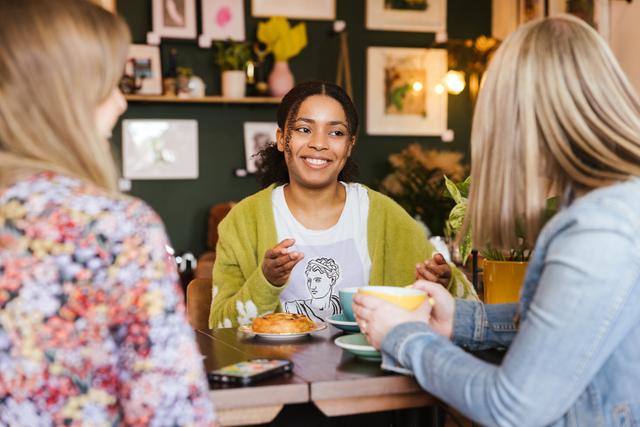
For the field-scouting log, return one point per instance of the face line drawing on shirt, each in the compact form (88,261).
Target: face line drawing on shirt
(321,276)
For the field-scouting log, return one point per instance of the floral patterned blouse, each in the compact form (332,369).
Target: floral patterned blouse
(92,323)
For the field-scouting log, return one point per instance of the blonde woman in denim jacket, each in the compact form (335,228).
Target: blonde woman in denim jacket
(555,112)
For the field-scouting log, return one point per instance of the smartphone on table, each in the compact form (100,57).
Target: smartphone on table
(250,371)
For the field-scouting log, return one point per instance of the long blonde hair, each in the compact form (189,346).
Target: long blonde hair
(555,111)
(59,60)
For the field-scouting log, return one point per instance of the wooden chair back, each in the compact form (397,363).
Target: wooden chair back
(199,302)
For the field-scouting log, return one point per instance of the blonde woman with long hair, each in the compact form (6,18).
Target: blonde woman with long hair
(92,323)
(555,114)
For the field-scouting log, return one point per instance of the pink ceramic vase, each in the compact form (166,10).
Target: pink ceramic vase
(280,80)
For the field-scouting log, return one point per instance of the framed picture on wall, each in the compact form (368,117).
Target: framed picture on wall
(160,149)
(222,20)
(110,5)
(402,95)
(529,10)
(257,135)
(174,19)
(143,64)
(320,10)
(407,15)
(596,13)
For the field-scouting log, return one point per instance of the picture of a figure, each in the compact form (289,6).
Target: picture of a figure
(321,276)
(174,12)
(257,135)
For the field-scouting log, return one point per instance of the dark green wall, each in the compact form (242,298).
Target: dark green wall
(183,205)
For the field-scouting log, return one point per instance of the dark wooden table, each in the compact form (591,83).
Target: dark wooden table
(335,381)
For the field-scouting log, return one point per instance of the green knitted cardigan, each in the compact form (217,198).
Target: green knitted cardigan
(396,244)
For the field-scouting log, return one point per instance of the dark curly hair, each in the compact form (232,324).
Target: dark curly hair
(270,162)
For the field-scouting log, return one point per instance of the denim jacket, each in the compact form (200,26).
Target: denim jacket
(575,358)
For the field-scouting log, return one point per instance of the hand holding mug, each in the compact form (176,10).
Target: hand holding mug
(377,316)
(443,311)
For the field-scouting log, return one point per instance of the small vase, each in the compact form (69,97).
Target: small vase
(281,80)
(234,83)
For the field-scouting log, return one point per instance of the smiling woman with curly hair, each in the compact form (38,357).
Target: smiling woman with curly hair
(313,230)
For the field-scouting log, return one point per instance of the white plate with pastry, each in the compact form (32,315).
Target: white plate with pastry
(282,326)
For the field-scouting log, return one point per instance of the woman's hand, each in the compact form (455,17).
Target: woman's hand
(435,269)
(376,317)
(443,311)
(278,262)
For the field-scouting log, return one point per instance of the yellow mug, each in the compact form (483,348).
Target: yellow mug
(407,298)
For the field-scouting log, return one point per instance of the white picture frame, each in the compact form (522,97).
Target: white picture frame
(110,5)
(173,19)
(528,10)
(313,10)
(148,58)
(156,149)
(415,74)
(257,135)
(380,15)
(222,20)
(601,12)
(506,16)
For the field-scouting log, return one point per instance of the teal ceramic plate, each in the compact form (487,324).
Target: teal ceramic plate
(340,321)
(358,345)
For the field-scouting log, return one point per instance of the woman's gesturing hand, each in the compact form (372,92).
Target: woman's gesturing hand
(278,262)
(435,269)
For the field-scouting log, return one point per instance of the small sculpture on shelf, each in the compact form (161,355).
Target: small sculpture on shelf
(260,81)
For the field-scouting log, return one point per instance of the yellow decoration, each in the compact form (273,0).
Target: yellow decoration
(502,281)
(282,40)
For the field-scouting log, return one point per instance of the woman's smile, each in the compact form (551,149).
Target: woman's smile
(316,162)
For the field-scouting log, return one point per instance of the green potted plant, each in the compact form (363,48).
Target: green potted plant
(231,58)
(503,271)
(416,183)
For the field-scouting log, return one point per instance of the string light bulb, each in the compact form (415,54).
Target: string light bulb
(454,81)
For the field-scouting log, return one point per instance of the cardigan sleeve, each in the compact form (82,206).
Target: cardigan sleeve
(240,291)
(398,243)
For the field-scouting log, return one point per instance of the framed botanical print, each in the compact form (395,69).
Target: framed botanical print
(320,10)
(407,15)
(401,91)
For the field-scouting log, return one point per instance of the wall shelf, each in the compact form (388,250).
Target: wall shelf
(204,100)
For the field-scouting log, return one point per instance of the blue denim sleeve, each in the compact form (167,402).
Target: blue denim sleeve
(583,307)
(477,326)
